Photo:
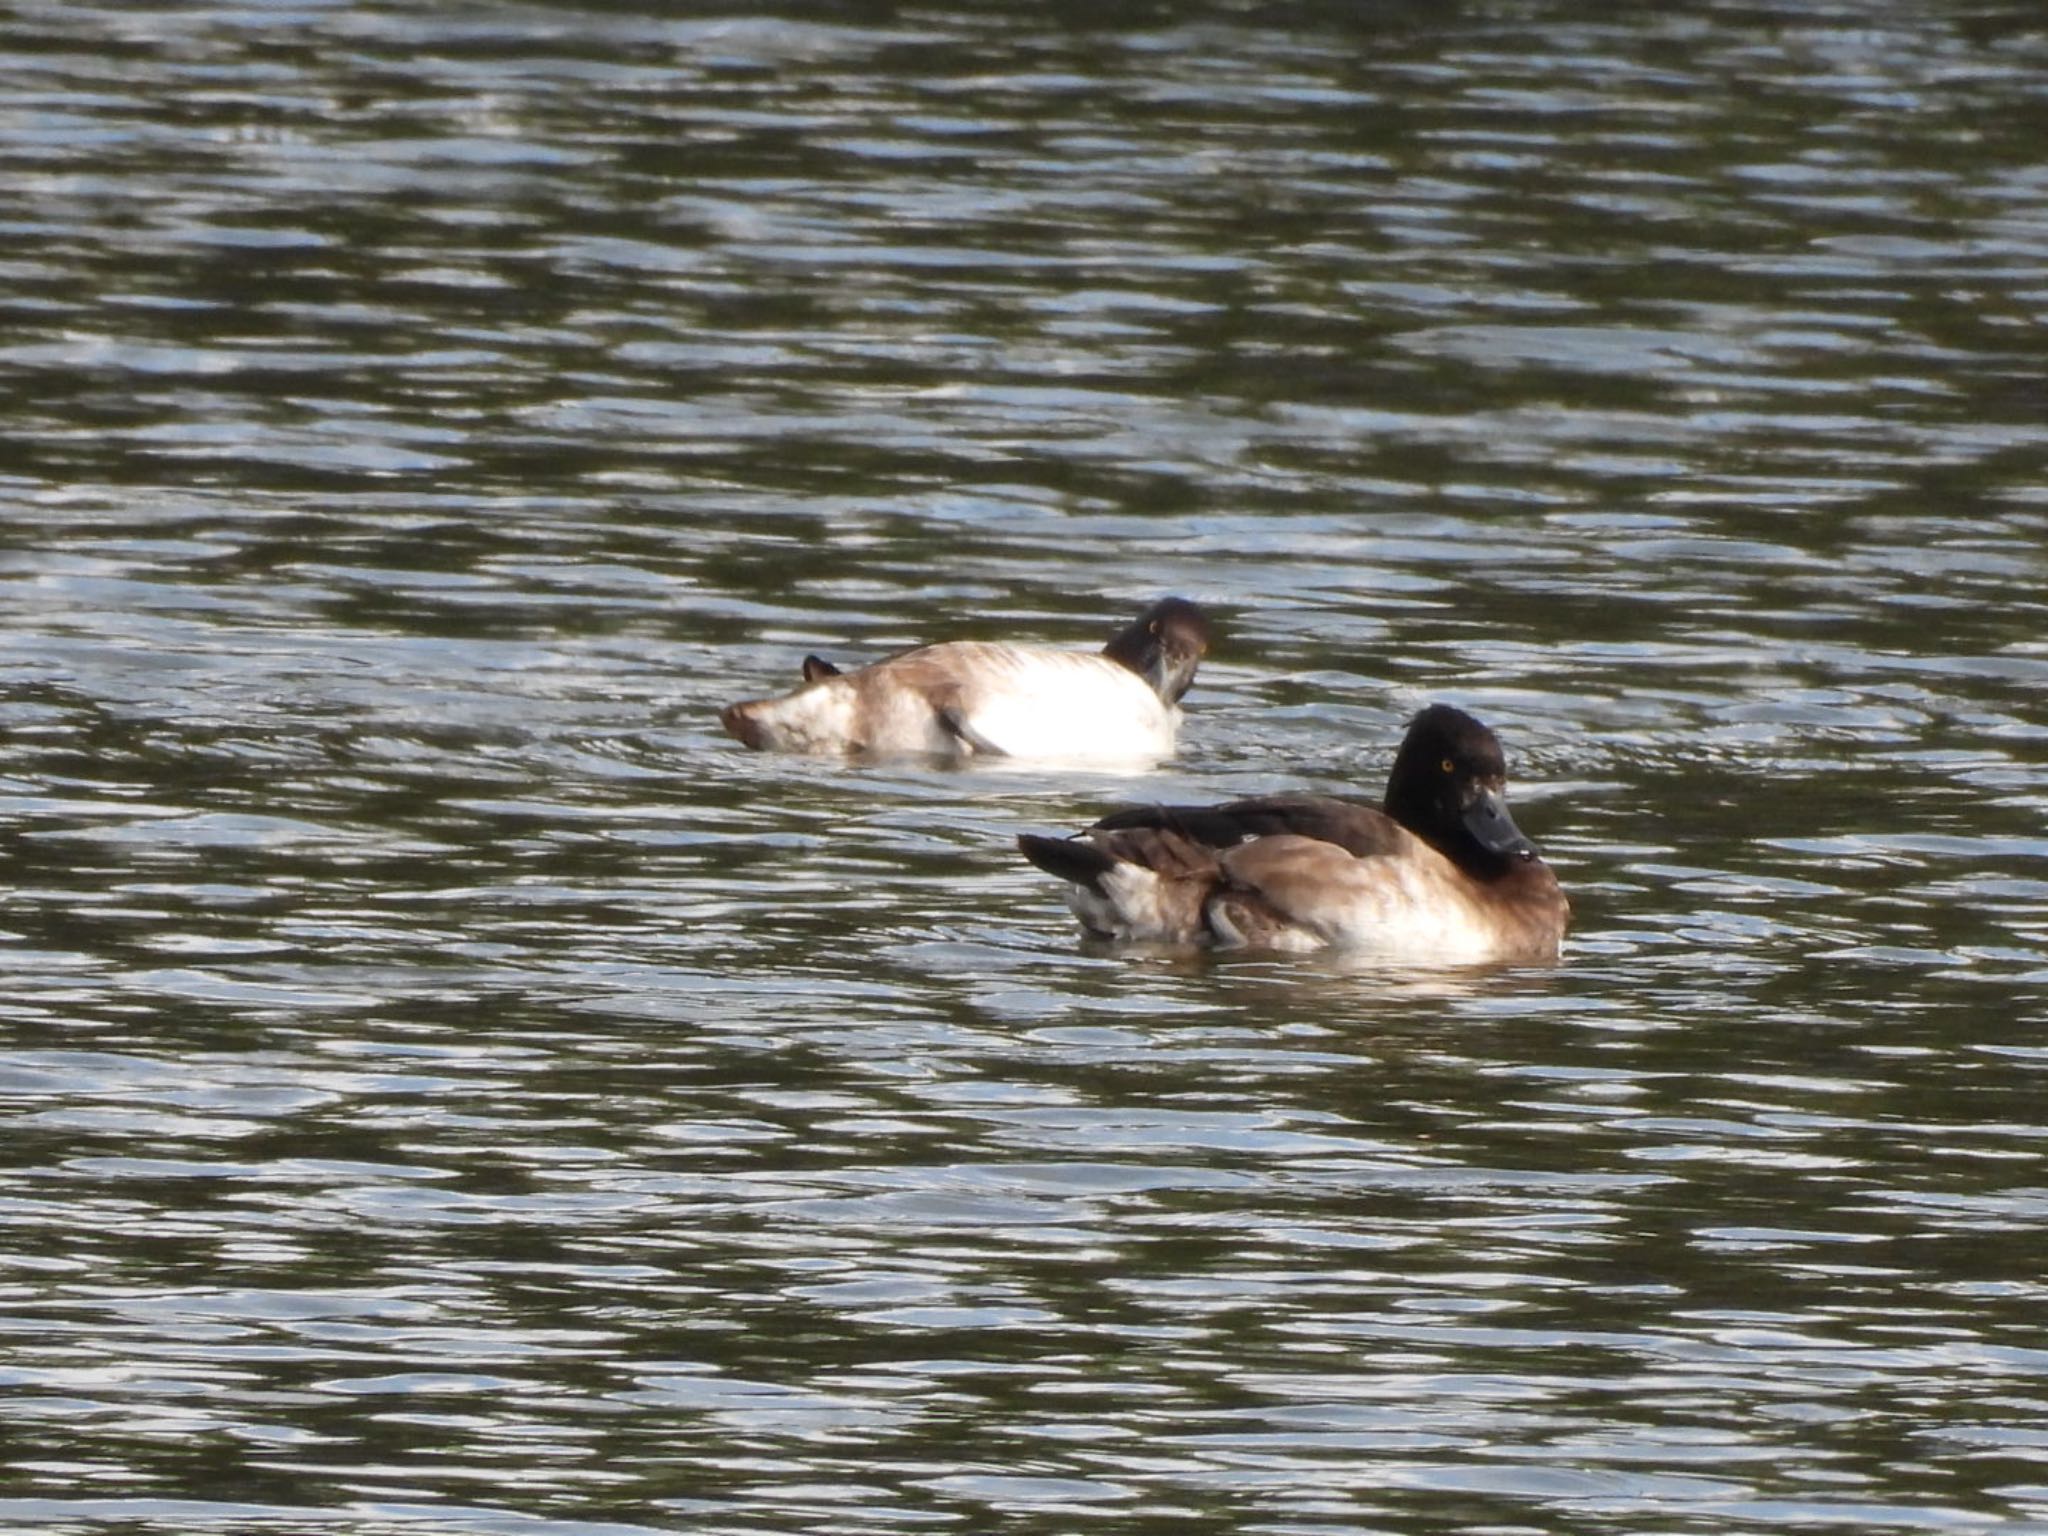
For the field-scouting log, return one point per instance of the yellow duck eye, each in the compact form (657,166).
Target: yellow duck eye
(1448,766)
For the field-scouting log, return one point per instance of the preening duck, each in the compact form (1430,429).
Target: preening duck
(972,698)
(1437,873)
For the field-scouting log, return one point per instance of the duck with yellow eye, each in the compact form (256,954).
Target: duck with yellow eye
(1437,873)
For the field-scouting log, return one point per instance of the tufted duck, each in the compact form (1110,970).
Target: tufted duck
(968,698)
(1439,873)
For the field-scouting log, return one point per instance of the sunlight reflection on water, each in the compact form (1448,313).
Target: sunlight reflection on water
(443,1061)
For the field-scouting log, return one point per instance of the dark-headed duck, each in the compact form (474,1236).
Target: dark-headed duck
(967,698)
(1439,873)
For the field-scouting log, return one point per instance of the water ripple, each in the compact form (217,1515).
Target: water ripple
(455,1089)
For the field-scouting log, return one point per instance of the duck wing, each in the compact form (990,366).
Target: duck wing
(1362,831)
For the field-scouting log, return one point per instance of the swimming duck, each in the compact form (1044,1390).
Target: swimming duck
(1439,872)
(972,698)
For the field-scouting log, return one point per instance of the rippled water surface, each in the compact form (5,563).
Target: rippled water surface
(451,1087)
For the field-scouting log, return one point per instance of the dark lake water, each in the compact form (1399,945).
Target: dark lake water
(452,1088)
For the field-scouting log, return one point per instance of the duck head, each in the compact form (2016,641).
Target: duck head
(1164,646)
(1449,787)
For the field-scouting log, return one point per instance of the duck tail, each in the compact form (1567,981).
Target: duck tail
(1072,859)
(741,721)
